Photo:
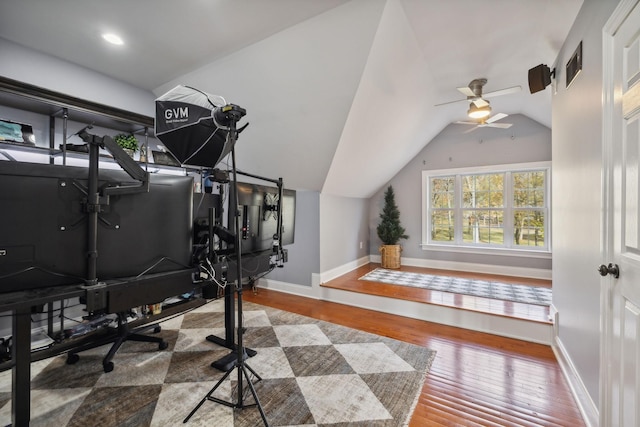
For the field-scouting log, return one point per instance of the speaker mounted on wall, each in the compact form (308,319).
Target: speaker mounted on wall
(540,77)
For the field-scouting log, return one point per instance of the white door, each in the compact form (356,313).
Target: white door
(620,353)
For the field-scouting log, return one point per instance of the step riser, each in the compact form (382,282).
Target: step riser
(482,322)
(509,327)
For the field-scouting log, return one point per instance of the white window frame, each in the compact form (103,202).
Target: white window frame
(509,247)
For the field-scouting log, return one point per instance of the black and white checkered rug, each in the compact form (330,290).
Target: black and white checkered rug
(314,374)
(479,288)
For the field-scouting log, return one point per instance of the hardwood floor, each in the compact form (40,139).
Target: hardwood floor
(531,312)
(476,379)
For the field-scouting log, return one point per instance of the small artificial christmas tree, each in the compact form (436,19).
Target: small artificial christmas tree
(390,231)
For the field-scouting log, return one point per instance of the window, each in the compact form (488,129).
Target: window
(488,208)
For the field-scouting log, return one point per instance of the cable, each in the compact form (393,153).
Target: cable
(206,95)
(35,267)
(154,265)
(212,274)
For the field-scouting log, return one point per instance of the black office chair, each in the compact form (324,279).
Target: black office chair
(123,333)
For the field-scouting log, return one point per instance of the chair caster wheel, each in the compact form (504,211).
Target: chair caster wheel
(163,345)
(107,366)
(72,358)
(157,329)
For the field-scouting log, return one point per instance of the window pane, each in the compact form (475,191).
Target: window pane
(528,189)
(529,227)
(483,226)
(483,191)
(442,195)
(442,222)
(537,199)
(478,204)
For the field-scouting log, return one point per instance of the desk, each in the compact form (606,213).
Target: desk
(20,303)
(155,288)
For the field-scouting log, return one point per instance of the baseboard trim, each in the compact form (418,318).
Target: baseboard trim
(289,288)
(343,269)
(586,405)
(532,273)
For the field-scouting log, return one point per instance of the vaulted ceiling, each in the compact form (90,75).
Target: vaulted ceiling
(340,94)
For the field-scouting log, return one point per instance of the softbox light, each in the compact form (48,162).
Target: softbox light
(186,124)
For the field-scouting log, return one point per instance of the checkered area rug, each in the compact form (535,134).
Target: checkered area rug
(313,373)
(479,288)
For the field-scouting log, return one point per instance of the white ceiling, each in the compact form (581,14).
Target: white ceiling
(340,94)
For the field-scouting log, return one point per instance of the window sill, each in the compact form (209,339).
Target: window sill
(543,254)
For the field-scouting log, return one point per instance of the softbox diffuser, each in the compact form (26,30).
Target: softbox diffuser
(185,124)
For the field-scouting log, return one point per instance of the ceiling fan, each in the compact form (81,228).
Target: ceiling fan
(474,94)
(490,122)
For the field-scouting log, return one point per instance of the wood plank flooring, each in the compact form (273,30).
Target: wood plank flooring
(531,312)
(477,379)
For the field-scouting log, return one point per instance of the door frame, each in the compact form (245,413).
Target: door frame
(610,97)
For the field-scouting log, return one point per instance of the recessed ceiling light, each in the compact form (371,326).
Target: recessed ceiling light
(113,39)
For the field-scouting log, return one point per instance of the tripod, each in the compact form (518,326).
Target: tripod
(243,369)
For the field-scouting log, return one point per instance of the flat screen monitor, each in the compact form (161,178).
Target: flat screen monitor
(258,216)
(11,131)
(43,234)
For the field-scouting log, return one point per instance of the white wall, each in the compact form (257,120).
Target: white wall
(577,157)
(309,71)
(526,141)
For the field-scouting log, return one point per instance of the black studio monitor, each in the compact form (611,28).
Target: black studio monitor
(539,78)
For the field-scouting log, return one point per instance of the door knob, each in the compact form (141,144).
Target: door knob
(611,269)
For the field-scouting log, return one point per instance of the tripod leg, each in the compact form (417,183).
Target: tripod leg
(208,395)
(255,374)
(253,392)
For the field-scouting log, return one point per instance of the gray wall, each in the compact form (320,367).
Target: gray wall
(577,160)
(304,253)
(343,226)
(526,141)
(43,70)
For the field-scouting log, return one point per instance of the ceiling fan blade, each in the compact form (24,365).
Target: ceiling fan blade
(498,125)
(471,130)
(466,91)
(496,117)
(480,102)
(449,102)
(505,91)
(466,123)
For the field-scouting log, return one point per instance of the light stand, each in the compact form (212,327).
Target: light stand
(232,114)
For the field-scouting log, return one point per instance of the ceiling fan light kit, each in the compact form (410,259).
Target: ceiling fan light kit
(479,107)
(476,112)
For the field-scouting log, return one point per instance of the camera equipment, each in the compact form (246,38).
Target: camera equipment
(200,129)
(194,125)
(228,114)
